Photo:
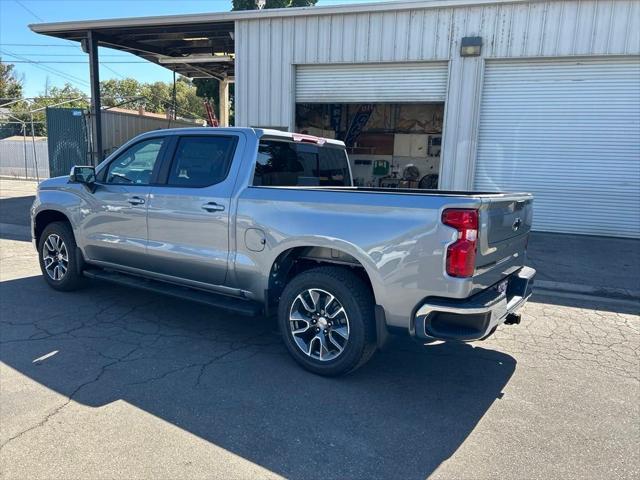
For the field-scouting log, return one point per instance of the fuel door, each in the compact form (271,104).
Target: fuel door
(255,239)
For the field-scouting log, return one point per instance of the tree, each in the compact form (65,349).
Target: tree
(68,95)
(209,88)
(126,92)
(189,104)
(155,97)
(244,5)
(253,4)
(10,90)
(10,84)
(302,3)
(276,4)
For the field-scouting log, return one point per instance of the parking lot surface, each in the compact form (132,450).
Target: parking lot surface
(108,382)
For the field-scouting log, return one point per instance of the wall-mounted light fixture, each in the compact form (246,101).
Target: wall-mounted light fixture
(471,46)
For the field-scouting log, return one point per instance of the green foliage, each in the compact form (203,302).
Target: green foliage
(72,96)
(156,97)
(303,3)
(210,88)
(253,4)
(276,4)
(10,88)
(10,84)
(114,92)
(207,88)
(244,5)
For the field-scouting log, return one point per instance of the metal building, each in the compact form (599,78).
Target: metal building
(540,96)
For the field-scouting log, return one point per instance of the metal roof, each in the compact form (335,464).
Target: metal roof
(167,20)
(203,49)
(174,40)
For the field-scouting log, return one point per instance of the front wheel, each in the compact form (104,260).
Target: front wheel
(57,255)
(326,317)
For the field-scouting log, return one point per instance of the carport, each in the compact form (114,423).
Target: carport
(189,45)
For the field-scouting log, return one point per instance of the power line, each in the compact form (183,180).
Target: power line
(66,76)
(124,55)
(56,62)
(37,17)
(38,64)
(37,45)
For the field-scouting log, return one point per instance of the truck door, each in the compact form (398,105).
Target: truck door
(189,210)
(114,228)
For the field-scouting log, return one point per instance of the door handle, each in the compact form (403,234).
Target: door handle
(213,207)
(136,201)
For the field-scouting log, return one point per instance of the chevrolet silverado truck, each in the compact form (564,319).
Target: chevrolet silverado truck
(263,222)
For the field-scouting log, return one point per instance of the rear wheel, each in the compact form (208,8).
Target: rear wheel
(326,317)
(57,255)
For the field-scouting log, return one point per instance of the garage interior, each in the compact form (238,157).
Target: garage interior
(392,145)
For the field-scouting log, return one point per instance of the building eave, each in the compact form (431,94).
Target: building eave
(84,25)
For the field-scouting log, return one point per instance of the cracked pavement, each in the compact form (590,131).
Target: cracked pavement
(108,382)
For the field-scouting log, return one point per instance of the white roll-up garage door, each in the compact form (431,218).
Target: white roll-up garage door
(568,131)
(373,83)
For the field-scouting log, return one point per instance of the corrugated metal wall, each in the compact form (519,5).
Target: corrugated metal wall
(267,51)
(118,127)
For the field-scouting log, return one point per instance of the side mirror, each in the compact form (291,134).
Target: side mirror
(83,174)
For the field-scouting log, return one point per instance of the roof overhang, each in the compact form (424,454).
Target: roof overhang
(197,35)
(203,49)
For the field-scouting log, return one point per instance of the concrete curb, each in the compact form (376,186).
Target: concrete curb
(549,288)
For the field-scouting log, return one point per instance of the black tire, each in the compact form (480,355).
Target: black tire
(358,303)
(71,279)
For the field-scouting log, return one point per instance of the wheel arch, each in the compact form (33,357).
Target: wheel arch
(46,217)
(295,259)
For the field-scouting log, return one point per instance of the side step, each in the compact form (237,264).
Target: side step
(223,302)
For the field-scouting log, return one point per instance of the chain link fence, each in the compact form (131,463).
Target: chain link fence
(30,157)
(25,158)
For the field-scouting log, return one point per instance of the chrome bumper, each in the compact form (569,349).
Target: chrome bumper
(476,317)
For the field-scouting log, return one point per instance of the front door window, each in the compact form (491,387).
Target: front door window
(135,165)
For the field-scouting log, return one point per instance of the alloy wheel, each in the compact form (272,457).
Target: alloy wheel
(319,324)
(55,257)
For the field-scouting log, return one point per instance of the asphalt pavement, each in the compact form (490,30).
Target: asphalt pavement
(112,383)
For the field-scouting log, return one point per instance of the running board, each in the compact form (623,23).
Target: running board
(223,302)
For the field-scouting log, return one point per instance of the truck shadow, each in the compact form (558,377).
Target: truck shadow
(15,210)
(229,381)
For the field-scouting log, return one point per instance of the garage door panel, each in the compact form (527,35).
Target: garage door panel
(375,83)
(568,131)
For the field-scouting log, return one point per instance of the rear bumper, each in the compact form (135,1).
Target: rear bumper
(478,316)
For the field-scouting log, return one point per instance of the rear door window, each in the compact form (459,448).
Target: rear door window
(290,164)
(201,161)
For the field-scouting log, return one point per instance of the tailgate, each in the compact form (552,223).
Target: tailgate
(505,222)
(505,219)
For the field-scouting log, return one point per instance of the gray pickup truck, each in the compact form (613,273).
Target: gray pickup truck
(262,222)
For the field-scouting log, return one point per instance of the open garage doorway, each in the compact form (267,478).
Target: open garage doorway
(392,145)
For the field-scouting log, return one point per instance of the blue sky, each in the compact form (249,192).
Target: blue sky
(18,43)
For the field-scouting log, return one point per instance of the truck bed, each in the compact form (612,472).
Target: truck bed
(410,191)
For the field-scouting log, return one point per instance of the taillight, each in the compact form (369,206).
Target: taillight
(461,254)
